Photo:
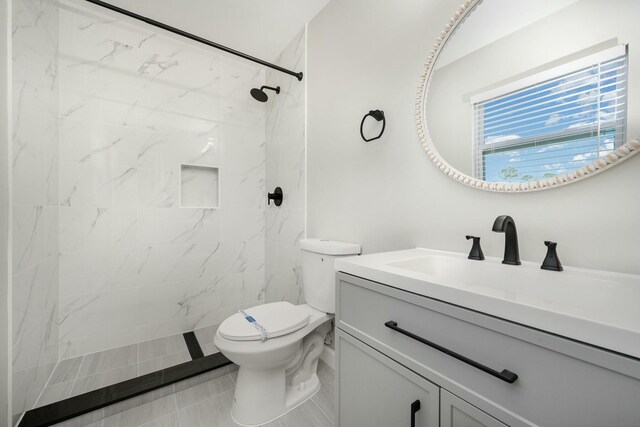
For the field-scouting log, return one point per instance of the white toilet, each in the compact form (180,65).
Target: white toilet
(277,345)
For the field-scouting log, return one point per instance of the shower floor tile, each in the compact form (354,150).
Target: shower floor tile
(158,363)
(205,338)
(108,360)
(93,371)
(161,347)
(210,348)
(55,393)
(67,370)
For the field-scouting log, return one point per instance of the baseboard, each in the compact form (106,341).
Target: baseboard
(328,356)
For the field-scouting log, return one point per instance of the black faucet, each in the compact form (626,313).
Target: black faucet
(505,224)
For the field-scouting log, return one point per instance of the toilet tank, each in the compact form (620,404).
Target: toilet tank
(318,274)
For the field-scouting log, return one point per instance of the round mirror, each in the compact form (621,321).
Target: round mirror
(524,95)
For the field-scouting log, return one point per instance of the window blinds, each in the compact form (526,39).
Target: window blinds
(552,122)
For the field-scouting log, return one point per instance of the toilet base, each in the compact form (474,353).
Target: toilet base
(262,395)
(294,397)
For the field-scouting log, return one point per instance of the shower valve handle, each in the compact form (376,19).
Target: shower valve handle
(276,196)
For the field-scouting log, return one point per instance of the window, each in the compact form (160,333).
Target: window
(552,122)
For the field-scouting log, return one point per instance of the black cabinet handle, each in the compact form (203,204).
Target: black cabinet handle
(415,407)
(504,375)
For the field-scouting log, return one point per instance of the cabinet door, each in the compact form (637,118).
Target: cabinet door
(455,412)
(375,391)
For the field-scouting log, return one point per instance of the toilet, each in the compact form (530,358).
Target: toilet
(277,345)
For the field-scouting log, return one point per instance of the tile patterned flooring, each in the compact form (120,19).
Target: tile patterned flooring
(205,338)
(205,401)
(93,371)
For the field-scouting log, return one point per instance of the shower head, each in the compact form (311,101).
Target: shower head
(259,94)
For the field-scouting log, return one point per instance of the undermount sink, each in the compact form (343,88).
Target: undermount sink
(598,307)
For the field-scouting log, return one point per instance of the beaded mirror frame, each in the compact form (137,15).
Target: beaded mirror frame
(620,154)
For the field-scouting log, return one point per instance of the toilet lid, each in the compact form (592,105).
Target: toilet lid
(278,319)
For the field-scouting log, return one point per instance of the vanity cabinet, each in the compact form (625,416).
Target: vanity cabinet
(471,357)
(376,391)
(455,412)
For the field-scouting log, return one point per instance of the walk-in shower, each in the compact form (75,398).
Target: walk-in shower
(122,265)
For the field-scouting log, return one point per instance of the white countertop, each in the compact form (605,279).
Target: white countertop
(597,307)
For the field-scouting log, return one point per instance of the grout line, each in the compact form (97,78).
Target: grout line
(148,421)
(80,366)
(208,397)
(46,384)
(75,379)
(316,396)
(84,358)
(312,400)
(205,399)
(99,351)
(175,402)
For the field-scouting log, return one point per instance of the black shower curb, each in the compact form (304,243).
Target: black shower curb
(84,403)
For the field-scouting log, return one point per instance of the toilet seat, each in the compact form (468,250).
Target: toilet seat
(278,319)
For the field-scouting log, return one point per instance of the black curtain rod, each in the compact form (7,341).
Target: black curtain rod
(194,37)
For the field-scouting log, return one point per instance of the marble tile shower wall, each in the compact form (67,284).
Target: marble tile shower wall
(35,199)
(286,168)
(135,105)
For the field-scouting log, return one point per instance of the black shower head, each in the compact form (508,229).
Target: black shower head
(259,94)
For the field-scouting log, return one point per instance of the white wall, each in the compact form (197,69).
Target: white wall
(366,54)
(5,293)
(507,16)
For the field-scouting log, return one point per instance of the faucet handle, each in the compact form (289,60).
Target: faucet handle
(551,261)
(476,250)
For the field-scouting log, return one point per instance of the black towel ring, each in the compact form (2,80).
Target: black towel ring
(378,115)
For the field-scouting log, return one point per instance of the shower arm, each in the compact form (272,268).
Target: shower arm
(193,37)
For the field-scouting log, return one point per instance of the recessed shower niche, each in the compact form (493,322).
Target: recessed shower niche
(199,186)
